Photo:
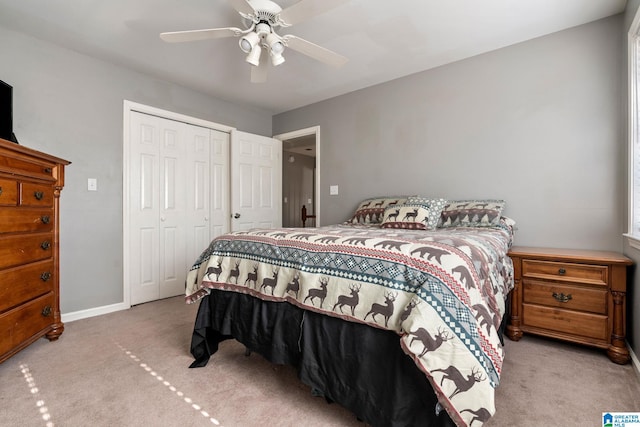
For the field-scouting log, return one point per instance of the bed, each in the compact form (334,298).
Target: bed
(395,314)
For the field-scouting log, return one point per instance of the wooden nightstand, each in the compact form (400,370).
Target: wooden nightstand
(573,295)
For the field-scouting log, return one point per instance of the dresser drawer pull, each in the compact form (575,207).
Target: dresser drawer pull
(46,312)
(45,219)
(0,191)
(45,276)
(47,170)
(562,271)
(45,245)
(561,297)
(38,195)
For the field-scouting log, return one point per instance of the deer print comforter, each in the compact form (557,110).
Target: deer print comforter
(443,292)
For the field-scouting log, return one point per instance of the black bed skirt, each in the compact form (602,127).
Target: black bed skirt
(362,368)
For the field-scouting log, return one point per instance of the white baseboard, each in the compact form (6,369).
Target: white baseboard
(91,312)
(634,361)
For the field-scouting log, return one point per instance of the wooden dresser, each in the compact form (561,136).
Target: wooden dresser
(30,185)
(574,295)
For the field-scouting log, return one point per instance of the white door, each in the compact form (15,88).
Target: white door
(208,196)
(256,181)
(178,201)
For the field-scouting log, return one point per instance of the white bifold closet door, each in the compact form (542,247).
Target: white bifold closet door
(178,201)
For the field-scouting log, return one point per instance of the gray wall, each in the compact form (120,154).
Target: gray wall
(540,124)
(71,106)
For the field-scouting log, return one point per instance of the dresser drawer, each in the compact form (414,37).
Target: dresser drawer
(581,273)
(568,297)
(567,321)
(21,284)
(17,220)
(22,249)
(23,322)
(8,192)
(18,165)
(33,194)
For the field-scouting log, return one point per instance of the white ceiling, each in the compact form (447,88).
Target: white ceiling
(383,39)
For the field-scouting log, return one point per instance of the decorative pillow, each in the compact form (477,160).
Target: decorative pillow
(370,211)
(415,216)
(434,205)
(471,213)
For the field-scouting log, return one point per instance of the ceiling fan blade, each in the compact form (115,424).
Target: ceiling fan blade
(259,73)
(314,51)
(193,35)
(306,9)
(241,6)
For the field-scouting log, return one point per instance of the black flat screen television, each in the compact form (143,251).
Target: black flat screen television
(6,112)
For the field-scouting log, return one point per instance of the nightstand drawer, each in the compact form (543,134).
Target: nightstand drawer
(581,273)
(567,321)
(593,300)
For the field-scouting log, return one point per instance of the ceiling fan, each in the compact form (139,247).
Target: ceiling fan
(259,39)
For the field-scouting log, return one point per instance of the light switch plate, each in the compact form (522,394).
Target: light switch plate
(92,184)
(333,190)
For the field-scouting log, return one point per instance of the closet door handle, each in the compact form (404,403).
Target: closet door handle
(236,215)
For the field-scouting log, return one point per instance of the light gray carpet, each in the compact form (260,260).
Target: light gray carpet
(130,368)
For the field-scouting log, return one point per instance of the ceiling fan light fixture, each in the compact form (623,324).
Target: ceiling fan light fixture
(276,58)
(253,57)
(249,41)
(275,43)
(262,29)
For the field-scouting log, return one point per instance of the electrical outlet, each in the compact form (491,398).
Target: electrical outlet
(92,184)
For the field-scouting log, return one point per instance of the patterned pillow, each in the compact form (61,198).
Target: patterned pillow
(471,213)
(370,211)
(435,205)
(415,216)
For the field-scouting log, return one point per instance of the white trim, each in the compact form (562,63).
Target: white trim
(314,130)
(634,241)
(92,312)
(128,108)
(632,116)
(634,361)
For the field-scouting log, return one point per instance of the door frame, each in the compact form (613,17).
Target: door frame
(128,108)
(314,130)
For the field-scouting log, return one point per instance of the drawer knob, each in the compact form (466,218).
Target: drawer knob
(0,190)
(561,271)
(46,311)
(45,276)
(45,219)
(560,297)
(38,195)
(47,170)
(45,245)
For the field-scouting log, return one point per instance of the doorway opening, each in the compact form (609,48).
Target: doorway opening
(300,177)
